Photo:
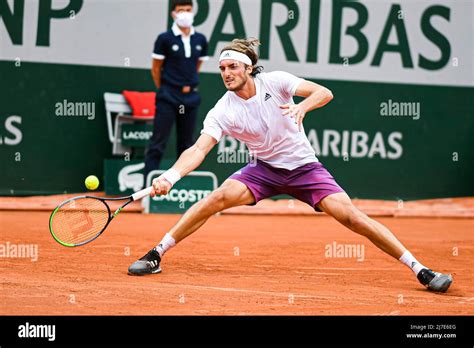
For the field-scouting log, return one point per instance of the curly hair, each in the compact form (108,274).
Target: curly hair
(249,48)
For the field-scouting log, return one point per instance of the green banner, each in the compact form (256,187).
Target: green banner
(189,190)
(137,135)
(123,177)
(373,144)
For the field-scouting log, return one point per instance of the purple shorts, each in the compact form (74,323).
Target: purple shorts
(309,183)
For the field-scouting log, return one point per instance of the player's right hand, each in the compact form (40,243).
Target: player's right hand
(161,186)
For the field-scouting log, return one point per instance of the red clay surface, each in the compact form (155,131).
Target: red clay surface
(235,265)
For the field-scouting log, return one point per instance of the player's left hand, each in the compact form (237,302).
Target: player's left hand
(295,111)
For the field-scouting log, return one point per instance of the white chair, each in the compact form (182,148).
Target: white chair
(118,113)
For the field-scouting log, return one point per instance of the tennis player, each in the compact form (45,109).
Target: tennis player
(258,109)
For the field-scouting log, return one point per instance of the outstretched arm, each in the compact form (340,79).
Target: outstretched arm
(315,95)
(189,160)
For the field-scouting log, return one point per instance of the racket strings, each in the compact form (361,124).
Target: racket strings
(79,220)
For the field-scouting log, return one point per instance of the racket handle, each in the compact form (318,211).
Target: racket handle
(143,193)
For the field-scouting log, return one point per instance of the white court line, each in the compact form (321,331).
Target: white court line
(219,266)
(282,294)
(347,268)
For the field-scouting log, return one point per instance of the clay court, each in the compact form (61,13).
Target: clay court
(237,264)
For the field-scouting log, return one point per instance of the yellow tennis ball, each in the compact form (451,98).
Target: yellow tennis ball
(92,182)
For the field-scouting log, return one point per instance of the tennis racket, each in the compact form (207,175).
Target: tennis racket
(80,220)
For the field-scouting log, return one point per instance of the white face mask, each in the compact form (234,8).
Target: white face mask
(185,19)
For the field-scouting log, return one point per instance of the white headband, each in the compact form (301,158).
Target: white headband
(229,54)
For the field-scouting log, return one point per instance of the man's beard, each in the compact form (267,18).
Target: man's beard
(238,87)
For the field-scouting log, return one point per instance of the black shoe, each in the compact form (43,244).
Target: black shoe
(434,281)
(148,264)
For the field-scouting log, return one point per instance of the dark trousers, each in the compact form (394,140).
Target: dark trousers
(168,111)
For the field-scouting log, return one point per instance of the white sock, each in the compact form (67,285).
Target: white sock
(408,259)
(166,243)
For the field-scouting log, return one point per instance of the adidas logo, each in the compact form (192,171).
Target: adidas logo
(413,264)
(227,54)
(267,96)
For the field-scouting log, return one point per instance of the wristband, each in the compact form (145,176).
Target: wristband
(171,175)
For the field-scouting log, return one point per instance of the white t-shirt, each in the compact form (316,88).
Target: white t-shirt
(259,123)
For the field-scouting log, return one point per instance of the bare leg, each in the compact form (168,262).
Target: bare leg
(340,207)
(231,193)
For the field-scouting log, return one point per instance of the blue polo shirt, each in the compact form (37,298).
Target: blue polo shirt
(181,56)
